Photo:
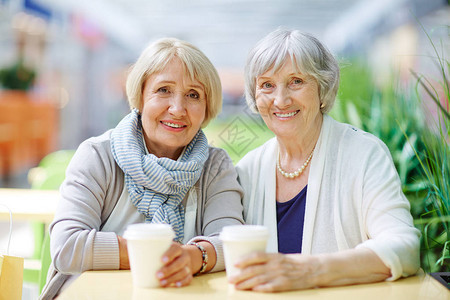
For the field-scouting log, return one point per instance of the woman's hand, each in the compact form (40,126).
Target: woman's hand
(177,268)
(180,262)
(264,272)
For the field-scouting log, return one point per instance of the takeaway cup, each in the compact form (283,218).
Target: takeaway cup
(241,240)
(146,244)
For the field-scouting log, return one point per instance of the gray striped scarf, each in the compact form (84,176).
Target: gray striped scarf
(157,186)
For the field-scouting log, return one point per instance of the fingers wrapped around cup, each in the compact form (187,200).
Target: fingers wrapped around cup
(176,269)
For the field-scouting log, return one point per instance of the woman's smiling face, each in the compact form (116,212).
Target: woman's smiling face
(288,100)
(174,107)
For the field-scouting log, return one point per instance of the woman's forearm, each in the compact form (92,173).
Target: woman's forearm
(352,266)
(196,256)
(276,272)
(123,253)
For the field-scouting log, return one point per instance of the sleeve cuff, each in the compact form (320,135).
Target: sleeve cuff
(217,244)
(387,256)
(106,251)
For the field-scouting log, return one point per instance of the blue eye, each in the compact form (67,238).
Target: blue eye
(267,85)
(194,95)
(163,90)
(297,81)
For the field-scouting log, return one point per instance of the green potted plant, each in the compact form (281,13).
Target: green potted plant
(17,77)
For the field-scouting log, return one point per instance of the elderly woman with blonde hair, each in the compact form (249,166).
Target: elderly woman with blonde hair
(328,192)
(155,166)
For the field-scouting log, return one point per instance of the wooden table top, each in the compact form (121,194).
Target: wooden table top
(118,285)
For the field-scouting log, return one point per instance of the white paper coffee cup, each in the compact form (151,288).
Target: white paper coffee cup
(146,244)
(241,240)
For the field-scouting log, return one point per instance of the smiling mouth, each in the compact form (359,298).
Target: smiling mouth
(173,125)
(286,115)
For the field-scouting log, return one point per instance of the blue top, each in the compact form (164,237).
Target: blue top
(290,217)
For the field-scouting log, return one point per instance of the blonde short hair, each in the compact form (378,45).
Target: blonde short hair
(309,54)
(156,56)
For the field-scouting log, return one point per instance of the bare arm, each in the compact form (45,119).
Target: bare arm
(123,254)
(352,266)
(278,272)
(196,256)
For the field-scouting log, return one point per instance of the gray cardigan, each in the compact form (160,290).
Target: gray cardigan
(91,190)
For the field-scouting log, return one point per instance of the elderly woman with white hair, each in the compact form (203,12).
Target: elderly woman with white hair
(155,166)
(328,192)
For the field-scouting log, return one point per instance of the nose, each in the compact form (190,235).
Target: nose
(177,105)
(282,97)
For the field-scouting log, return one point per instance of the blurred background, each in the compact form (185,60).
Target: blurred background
(63,66)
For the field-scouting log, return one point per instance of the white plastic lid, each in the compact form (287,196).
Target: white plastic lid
(148,231)
(244,232)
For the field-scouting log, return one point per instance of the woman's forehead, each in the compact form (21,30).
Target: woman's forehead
(174,63)
(276,66)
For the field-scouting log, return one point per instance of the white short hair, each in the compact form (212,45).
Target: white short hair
(309,55)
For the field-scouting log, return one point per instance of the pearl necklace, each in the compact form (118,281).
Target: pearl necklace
(296,173)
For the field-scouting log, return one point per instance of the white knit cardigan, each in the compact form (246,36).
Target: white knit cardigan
(354,198)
